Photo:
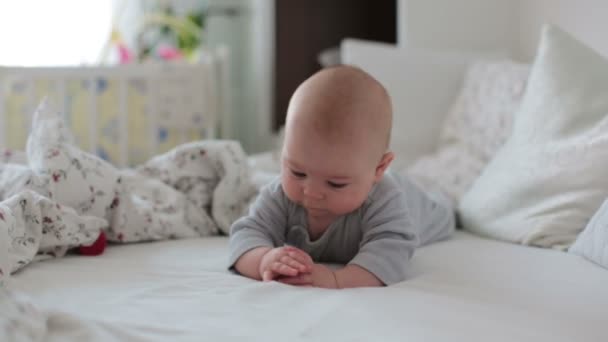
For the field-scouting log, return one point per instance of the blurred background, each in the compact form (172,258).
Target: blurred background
(272,45)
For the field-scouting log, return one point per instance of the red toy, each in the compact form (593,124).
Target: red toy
(96,248)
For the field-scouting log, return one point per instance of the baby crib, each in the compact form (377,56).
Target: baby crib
(124,114)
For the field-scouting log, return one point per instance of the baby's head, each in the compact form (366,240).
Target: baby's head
(336,141)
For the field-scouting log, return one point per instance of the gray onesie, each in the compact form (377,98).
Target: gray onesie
(380,236)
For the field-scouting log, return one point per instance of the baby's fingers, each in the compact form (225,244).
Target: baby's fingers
(299,255)
(294,263)
(281,268)
(302,259)
(268,275)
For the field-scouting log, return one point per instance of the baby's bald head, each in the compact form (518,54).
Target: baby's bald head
(343,104)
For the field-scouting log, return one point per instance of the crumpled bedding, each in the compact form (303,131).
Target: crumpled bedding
(55,196)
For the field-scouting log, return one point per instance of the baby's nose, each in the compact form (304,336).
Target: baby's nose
(313,192)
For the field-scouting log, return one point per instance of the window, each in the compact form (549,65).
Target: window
(53,33)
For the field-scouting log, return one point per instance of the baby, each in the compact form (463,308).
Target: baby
(334,201)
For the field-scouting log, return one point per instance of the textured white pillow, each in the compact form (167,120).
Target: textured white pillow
(550,176)
(477,125)
(592,243)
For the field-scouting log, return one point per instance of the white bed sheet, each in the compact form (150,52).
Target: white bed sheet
(463,289)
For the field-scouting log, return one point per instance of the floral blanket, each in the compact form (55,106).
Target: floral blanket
(55,196)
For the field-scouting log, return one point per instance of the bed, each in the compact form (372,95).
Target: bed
(466,288)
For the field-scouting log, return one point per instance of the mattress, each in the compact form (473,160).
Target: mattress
(466,288)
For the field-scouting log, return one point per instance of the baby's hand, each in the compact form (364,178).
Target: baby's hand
(284,261)
(320,276)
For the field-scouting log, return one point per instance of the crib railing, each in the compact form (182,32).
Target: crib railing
(124,114)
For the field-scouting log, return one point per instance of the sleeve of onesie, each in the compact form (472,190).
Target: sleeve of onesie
(390,236)
(264,225)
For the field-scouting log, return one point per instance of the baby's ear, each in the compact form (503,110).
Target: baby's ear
(386,160)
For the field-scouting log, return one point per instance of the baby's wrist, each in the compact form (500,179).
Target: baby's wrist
(335,276)
(263,262)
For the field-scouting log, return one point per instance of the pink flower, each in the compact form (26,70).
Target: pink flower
(168,53)
(125,55)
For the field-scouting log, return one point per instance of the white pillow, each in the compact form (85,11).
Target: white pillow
(478,124)
(422,85)
(550,176)
(592,243)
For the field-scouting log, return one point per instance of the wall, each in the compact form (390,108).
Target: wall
(586,19)
(477,25)
(511,26)
(249,36)
(261,73)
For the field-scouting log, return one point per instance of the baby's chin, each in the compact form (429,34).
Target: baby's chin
(316,212)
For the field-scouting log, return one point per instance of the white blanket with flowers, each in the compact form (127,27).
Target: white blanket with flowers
(55,197)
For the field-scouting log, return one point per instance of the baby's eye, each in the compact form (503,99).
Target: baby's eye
(337,185)
(298,174)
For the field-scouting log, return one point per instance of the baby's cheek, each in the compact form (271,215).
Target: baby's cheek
(290,188)
(348,203)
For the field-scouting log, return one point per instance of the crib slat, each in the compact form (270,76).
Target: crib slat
(185,91)
(223,85)
(60,85)
(152,112)
(92,113)
(123,122)
(31,103)
(183,132)
(208,102)
(3,113)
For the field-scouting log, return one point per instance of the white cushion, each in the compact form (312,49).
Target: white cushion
(477,125)
(422,85)
(550,176)
(592,243)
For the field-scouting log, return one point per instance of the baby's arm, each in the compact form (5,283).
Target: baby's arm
(396,223)
(390,235)
(347,277)
(255,237)
(249,263)
(356,276)
(261,230)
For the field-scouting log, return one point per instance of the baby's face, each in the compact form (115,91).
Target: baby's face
(328,180)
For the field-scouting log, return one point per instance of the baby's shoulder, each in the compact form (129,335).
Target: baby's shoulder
(390,186)
(386,194)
